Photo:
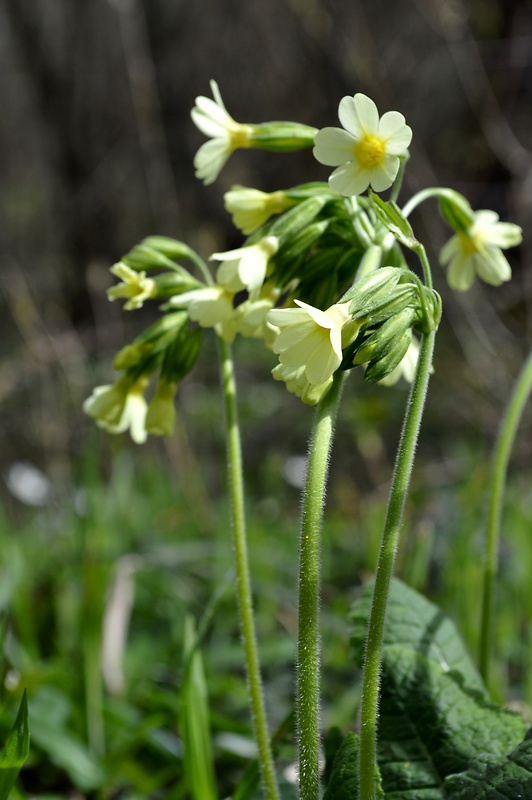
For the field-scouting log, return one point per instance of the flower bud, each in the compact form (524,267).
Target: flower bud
(377,370)
(385,337)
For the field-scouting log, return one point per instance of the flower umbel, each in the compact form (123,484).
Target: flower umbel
(310,339)
(226,135)
(366,151)
(479,251)
(135,286)
(245,267)
(119,406)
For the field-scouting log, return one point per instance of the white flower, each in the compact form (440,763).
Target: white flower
(160,418)
(210,307)
(245,267)
(120,406)
(310,338)
(226,135)
(135,285)
(478,250)
(297,383)
(251,208)
(366,150)
(251,315)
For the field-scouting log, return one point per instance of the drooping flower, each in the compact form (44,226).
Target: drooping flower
(119,406)
(226,135)
(135,286)
(298,384)
(245,267)
(310,338)
(366,150)
(160,418)
(251,316)
(210,307)
(251,208)
(478,250)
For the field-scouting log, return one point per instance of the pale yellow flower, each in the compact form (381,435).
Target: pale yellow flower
(226,135)
(251,208)
(366,150)
(135,286)
(161,415)
(298,384)
(120,406)
(310,338)
(245,267)
(479,251)
(251,316)
(210,307)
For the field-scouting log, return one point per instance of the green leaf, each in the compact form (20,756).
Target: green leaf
(15,750)
(432,726)
(495,779)
(343,784)
(195,725)
(392,218)
(414,622)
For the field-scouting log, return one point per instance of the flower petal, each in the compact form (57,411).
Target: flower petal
(384,175)
(461,273)
(492,266)
(210,159)
(333,146)
(348,116)
(350,179)
(368,115)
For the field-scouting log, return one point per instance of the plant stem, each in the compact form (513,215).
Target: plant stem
(387,553)
(308,646)
(501,456)
(245,603)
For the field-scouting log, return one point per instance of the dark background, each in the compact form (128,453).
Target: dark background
(96,149)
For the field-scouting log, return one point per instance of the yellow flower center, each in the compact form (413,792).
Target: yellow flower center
(369,152)
(240,136)
(468,244)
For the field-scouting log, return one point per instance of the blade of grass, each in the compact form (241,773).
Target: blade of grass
(15,750)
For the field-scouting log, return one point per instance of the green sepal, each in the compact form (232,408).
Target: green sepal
(372,289)
(379,369)
(456,211)
(296,218)
(144,257)
(284,263)
(171,248)
(393,219)
(379,343)
(171,283)
(15,750)
(151,341)
(282,136)
(181,355)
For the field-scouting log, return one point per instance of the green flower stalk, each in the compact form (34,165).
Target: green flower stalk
(245,603)
(388,550)
(501,456)
(308,647)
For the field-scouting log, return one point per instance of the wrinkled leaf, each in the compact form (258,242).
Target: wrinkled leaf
(343,784)
(495,779)
(414,622)
(432,726)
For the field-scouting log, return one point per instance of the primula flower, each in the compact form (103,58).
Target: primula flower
(210,307)
(135,286)
(310,338)
(160,418)
(251,208)
(478,250)
(297,383)
(366,150)
(245,267)
(251,315)
(119,406)
(226,135)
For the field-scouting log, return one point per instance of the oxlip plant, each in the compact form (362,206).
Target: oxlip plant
(324,281)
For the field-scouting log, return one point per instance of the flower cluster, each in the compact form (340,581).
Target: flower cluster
(322,279)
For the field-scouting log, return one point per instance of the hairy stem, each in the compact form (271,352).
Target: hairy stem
(245,603)
(308,646)
(501,455)
(387,553)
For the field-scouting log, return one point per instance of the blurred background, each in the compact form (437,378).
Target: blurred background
(96,149)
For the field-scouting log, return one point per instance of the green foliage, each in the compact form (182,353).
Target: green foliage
(194,718)
(439,735)
(15,750)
